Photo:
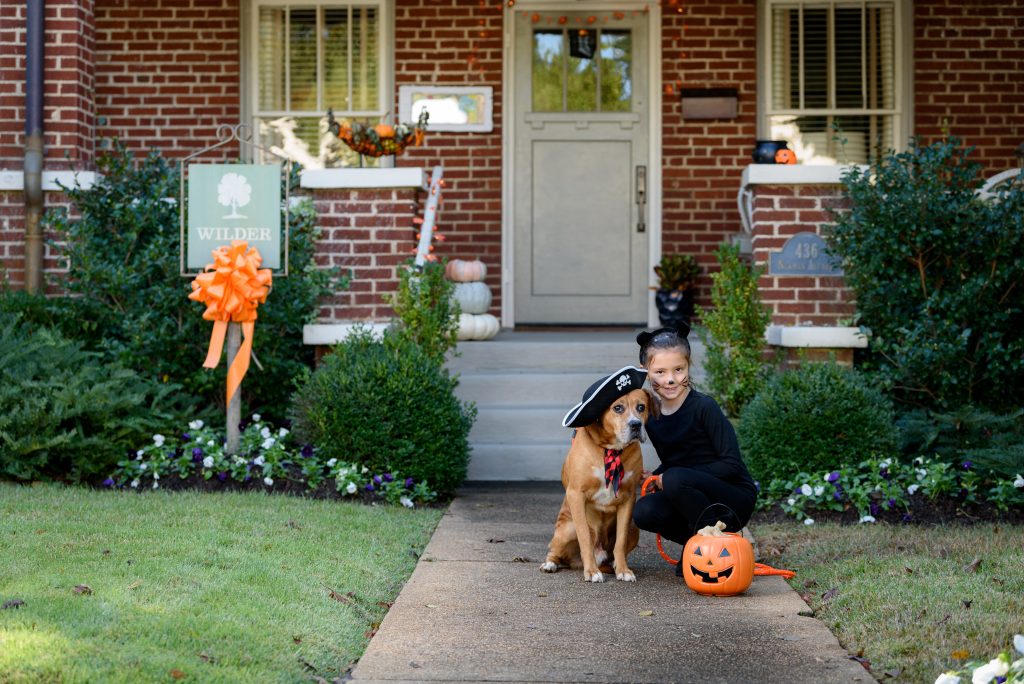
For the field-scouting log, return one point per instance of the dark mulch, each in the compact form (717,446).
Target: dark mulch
(922,511)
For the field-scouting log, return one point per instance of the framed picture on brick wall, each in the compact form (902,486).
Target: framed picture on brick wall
(451,108)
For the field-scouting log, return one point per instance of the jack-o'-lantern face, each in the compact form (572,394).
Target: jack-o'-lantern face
(785,156)
(719,566)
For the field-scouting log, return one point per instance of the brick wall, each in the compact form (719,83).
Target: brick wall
(781,212)
(368,233)
(12,241)
(705,44)
(459,43)
(969,73)
(167,73)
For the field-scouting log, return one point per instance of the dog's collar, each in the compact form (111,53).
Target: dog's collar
(613,470)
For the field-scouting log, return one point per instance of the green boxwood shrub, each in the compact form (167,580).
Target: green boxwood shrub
(64,413)
(387,405)
(129,302)
(819,416)
(937,274)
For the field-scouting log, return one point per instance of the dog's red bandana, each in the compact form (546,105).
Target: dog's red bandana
(613,470)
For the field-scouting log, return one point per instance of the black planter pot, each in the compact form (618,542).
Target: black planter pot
(674,306)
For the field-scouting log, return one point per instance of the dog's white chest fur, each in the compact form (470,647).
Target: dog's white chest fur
(605,496)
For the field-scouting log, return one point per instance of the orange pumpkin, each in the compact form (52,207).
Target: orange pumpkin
(465,271)
(718,566)
(384,130)
(785,156)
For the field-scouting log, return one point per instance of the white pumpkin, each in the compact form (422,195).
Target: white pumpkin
(474,298)
(477,327)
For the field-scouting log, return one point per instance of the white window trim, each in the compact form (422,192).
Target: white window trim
(249,19)
(904,69)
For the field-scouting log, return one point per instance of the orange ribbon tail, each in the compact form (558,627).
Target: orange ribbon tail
(240,366)
(220,328)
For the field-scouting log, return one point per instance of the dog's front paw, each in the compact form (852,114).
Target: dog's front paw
(549,566)
(626,576)
(593,577)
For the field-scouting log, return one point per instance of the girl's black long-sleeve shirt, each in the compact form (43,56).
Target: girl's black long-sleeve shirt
(699,436)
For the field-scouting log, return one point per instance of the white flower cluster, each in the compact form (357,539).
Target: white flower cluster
(999,668)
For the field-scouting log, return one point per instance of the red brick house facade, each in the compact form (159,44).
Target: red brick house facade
(166,74)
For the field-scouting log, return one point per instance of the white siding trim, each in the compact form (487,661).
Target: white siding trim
(15,180)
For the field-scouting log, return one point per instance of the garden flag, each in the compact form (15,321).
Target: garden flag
(231,288)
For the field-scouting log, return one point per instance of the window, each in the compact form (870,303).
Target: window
(831,78)
(582,70)
(310,57)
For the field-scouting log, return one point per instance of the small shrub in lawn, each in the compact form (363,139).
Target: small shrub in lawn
(65,414)
(387,405)
(812,418)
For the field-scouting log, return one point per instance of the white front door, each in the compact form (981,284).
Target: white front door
(581,146)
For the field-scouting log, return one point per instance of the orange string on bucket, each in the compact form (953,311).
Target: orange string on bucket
(759,568)
(231,288)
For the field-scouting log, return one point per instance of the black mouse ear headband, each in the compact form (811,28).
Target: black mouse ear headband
(681,329)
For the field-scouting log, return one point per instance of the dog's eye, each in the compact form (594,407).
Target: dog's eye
(619,408)
(640,408)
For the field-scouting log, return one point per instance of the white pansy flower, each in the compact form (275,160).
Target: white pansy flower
(1018,643)
(1019,482)
(268,442)
(208,462)
(364,470)
(156,476)
(210,443)
(947,678)
(912,489)
(259,460)
(282,433)
(268,481)
(156,485)
(139,454)
(351,489)
(997,667)
(886,463)
(407,502)
(143,466)
(256,417)
(237,460)
(196,425)
(791,501)
(135,482)
(806,490)
(867,519)
(808,521)
(331,463)
(819,490)
(158,440)
(265,432)
(921,473)
(919,460)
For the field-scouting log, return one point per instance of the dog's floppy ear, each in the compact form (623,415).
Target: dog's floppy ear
(653,405)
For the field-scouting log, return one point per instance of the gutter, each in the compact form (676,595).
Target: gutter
(33,167)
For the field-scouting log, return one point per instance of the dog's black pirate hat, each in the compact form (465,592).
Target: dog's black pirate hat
(602,394)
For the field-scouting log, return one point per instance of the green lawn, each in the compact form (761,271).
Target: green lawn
(202,587)
(913,601)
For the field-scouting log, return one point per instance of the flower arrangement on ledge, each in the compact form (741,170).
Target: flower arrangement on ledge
(266,457)
(381,139)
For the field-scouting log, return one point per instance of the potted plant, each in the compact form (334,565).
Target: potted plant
(677,276)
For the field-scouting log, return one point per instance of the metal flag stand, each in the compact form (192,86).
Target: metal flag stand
(243,134)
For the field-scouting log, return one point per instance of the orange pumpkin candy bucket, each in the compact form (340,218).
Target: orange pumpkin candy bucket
(720,564)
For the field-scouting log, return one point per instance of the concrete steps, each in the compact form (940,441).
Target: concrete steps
(523,384)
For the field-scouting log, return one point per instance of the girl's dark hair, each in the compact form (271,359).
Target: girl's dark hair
(661,339)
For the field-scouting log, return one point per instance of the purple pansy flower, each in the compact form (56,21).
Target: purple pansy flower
(967,465)
(891,503)
(837,495)
(307,451)
(222,476)
(388,477)
(369,486)
(109,482)
(833,476)
(376,480)
(874,508)
(186,437)
(197,454)
(409,483)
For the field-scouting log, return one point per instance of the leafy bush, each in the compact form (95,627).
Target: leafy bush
(387,405)
(992,443)
(123,275)
(64,413)
(815,417)
(936,272)
(734,335)
(428,313)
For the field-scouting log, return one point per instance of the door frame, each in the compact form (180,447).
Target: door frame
(508,170)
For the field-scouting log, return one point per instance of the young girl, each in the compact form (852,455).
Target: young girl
(702,477)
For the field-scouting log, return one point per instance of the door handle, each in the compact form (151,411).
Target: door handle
(641,198)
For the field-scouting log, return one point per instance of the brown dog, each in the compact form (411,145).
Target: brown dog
(596,517)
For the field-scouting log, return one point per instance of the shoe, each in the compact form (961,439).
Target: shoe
(679,566)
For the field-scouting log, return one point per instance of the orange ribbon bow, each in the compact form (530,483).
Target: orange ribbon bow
(231,288)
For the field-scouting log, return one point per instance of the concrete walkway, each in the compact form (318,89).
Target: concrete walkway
(477,609)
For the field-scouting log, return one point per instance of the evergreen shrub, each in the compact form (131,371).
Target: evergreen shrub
(937,274)
(128,301)
(819,416)
(428,314)
(733,332)
(65,414)
(387,405)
